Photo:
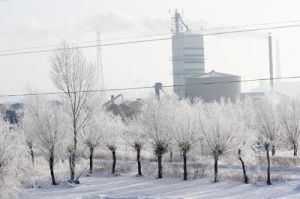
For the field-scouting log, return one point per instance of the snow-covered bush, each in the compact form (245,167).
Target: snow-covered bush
(11,148)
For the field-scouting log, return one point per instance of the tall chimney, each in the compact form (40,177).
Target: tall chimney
(271,63)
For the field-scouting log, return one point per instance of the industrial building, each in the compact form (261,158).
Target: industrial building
(213,86)
(187,54)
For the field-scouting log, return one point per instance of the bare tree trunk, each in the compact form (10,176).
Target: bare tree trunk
(295,149)
(51,165)
(171,155)
(246,179)
(91,159)
(138,158)
(73,154)
(159,162)
(216,158)
(268,169)
(113,170)
(185,174)
(273,150)
(70,164)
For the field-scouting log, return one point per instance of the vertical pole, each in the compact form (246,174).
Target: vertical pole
(278,64)
(271,62)
(177,30)
(99,62)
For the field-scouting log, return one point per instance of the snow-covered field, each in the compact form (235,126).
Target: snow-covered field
(129,186)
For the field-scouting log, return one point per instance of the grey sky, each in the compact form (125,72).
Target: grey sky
(26,23)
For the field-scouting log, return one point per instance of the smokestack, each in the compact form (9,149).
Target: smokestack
(271,62)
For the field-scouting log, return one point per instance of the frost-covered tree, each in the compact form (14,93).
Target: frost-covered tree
(72,75)
(156,128)
(29,136)
(267,124)
(289,113)
(246,135)
(10,158)
(46,118)
(135,138)
(184,127)
(94,132)
(113,129)
(218,124)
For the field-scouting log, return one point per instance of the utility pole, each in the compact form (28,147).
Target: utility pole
(271,63)
(99,62)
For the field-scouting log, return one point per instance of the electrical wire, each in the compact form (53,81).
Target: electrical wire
(150,87)
(143,41)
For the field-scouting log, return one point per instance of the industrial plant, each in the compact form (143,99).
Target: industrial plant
(189,77)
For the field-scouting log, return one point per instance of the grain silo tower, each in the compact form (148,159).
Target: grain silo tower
(187,54)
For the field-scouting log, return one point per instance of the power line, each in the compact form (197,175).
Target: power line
(151,40)
(151,87)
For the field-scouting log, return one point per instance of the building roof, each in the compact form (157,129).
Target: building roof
(216,74)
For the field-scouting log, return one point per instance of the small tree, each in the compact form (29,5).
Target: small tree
(45,118)
(113,128)
(184,128)
(156,129)
(93,133)
(267,124)
(289,113)
(135,138)
(245,113)
(219,131)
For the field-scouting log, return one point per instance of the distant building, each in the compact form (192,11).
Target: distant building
(213,86)
(187,54)
(257,97)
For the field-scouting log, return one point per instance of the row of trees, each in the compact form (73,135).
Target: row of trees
(237,130)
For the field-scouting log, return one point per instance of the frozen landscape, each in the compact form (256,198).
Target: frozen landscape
(140,99)
(128,186)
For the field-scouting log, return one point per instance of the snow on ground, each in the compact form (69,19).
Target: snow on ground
(128,186)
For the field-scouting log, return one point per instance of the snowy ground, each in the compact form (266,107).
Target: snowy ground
(128,186)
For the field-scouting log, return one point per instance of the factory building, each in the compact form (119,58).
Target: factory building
(213,86)
(187,54)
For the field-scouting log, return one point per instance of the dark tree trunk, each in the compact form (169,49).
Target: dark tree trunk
(113,170)
(171,155)
(51,165)
(138,159)
(268,169)
(273,150)
(295,149)
(185,174)
(70,164)
(216,158)
(32,154)
(73,153)
(246,179)
(159,162)
(91,159)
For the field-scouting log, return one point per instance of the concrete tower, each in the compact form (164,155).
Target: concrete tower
(187,54)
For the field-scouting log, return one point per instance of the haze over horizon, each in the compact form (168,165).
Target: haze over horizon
(34,23)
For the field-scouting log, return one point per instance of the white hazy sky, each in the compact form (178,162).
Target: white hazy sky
(26,23)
